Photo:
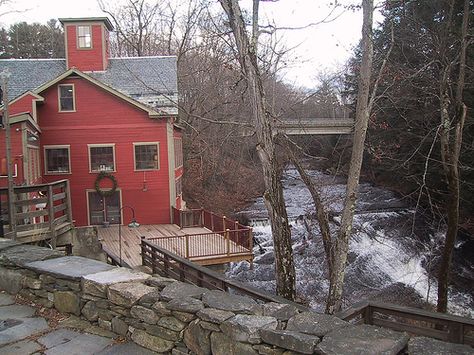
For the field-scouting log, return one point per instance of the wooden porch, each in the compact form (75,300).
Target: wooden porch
(198,235)
(41,212)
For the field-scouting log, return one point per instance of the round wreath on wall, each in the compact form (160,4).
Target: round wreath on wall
(104,175)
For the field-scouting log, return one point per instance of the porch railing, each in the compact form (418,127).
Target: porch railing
(227,237)
(440,326)
(40,212)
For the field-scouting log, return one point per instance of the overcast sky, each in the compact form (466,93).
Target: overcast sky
(319,48)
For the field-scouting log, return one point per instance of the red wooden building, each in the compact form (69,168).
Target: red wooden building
(96,120)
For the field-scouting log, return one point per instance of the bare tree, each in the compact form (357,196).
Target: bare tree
(273,196)
(453,112)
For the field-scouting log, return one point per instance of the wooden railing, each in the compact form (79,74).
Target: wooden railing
(236,235)
(114,259)
(441,326)
(193,246)
(40,211)
(168,264)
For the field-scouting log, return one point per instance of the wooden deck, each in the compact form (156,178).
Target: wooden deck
(197,244)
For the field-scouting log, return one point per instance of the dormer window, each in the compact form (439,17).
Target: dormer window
(84,37)
(66,98)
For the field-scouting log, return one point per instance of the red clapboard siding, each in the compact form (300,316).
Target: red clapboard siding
(25,104)
(88,59)
(102,118)
(16,151)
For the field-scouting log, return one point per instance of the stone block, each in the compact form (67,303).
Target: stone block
(227,302)
(11,281)
(119,326)
(69,267)
(183,316)
(171,323)
(246,328)
(185,304)
(214,315)
(159,281)
(160,308)
(96,284)
(280,311)
(315,323)
(128,293)
(287,339)
(264,349)
(197,339)
(20,255)
(105,324)
(210,326)
(149,299)
(221,344)
(120,310)
(90,311)
(6,299)
(163,332)
(362,339)
(144,314)
(106,314)
(180,289)
(151,342)
(67,302)
(34,284)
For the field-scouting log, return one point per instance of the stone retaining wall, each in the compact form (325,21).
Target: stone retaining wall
(168,316)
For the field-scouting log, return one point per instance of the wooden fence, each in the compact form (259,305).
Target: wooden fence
(168,264)
(440,326)
(40,212)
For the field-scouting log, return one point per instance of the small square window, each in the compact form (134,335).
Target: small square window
(102,158)
(57,160)
(84,37)
(66,98)
(146,156)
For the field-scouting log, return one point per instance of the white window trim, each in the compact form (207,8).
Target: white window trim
(179,178)
(73,98)
(15,172)
(45,148)
(89,146)
(180,152)
(135,158)
(77,37)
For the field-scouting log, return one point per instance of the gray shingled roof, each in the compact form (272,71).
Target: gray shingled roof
(151,80)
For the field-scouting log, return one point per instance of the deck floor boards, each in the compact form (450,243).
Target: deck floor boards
(202,249)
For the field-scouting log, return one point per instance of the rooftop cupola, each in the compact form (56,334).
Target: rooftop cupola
(87,42)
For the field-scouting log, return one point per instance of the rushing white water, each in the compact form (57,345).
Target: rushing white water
(388,257)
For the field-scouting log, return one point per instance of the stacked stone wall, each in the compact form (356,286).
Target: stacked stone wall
(168,316)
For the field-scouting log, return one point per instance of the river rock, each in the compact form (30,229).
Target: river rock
(287,339)
(214,315)
(315,323)
(144,314)
(227,302)
(180,289)
(362,339)
(151,342)
(96,284)
(198,339)
(67,302)
(430,346)
(127,293)
(246,328)
(280,311)
(185,304)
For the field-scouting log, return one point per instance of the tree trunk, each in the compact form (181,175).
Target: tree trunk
(451,140)
(341,247)
(273,196)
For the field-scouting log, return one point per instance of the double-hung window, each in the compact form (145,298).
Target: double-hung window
(146,156)
(57,159)
(84,37)
(101,157)
(66,98)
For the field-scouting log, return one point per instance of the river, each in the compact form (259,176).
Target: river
(392,249)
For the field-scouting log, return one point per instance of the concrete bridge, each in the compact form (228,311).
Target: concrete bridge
(310,126)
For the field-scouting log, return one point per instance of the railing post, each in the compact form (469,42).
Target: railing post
(227,240)
(180,219)
(51,216)
(142,247)
(186,253)
(212,222)
(68,201)
(455,332)
(202,218)
(224,218)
